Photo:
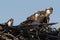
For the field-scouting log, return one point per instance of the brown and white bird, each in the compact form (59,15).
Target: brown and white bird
(42,16)
(10,22)
(34,16)
(48,12)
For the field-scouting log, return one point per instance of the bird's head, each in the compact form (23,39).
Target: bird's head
(10,21)
(48,11)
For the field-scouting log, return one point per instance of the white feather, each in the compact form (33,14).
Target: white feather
(9,23)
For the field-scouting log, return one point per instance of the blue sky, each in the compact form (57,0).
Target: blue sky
(19,10)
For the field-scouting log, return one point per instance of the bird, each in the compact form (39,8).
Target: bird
(44,15)
(39,16)
(10,22)
(48,12)
(34,16)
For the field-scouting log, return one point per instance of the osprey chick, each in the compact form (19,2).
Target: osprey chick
(41,16)
(10,22)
